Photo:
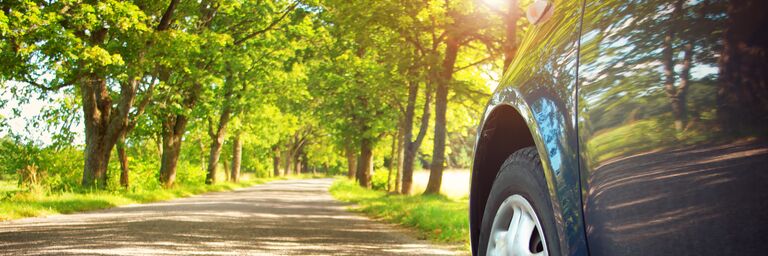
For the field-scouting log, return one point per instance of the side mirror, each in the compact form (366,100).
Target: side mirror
(539,11)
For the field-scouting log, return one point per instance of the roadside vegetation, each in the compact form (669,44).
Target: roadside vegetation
(436,217)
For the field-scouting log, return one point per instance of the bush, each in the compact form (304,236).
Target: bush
(64,168)
(379,179)
(41,169)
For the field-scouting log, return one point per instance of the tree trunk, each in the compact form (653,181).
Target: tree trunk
(365,163)
(392,160)
(96,160)
(358,173)
(276,160)
(226,170)
(297,164)
(399,173)
(408,161)
(399,166)
(159,143)
(218,136)
(675,95)
(171,150)
(351,162)
(411,146)
(742,95)
(103,125)
(679,107)
(173,133)
(288,159)
(202,153)
(441,105)
(123,157)
(237,156)
(96,147)
(213,158)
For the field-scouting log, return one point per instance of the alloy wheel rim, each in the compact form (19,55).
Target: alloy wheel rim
(516,230)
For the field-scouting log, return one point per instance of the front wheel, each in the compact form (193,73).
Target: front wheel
(518,217)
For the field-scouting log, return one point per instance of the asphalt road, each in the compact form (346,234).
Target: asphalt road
(294,217)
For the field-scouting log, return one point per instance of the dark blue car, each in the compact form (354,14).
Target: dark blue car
(629,128)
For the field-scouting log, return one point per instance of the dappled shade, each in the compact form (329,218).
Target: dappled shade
(285,217)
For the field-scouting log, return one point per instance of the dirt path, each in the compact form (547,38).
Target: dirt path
(294,217)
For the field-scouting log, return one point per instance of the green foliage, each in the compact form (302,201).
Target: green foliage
(144,162)
(40,169)
(379,179)
(436,217)
(15,156)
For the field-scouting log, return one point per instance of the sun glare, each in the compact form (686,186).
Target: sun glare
(496,4)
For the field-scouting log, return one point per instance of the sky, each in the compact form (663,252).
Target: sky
(21,125)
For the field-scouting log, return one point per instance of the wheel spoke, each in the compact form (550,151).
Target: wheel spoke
(514,238)
(501,244)
(513,229)
(522,238)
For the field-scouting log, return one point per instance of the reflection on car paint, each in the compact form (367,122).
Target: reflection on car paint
(672,128)
(551,125)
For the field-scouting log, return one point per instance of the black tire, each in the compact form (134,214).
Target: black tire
(521,174)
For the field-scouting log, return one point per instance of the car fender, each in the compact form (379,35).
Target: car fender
(495,142)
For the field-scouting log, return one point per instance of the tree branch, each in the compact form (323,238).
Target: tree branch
(210,127)
(165,21)
(43,87)
(269,27)
(474,63)
(142,105)
(424,117)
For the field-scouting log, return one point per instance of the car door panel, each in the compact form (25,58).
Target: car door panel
(672,127)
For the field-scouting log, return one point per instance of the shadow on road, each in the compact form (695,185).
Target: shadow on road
(286,217)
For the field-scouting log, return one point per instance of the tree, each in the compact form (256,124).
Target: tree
(357,81)
(461,29)
(245,63)
(677,93)
(99,47)
(742,89)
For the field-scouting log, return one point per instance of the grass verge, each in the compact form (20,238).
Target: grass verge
(436,218)
(22,205)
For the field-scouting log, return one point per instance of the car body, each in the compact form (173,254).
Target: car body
(650,118)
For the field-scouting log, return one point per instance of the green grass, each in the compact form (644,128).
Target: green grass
(7,188)
(24,204)
(437,217)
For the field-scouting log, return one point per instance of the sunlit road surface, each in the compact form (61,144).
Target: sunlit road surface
(294,217)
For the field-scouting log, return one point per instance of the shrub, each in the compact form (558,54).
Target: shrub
(40,169)
(379,179)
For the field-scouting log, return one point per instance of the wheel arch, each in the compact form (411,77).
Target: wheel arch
(504,130)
